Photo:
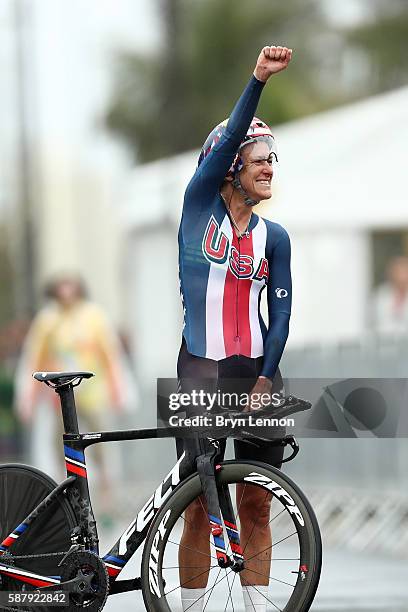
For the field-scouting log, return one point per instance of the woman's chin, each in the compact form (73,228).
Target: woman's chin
(264,194)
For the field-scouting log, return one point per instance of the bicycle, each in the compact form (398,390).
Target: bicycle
(49,545)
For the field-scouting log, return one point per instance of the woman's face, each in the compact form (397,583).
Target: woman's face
(67,292)
(257,173)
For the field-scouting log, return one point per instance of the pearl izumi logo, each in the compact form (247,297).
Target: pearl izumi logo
(281,293)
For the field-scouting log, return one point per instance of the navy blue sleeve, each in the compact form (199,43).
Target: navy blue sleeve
(210,175)
(279,290)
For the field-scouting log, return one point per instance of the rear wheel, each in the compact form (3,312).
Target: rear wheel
(286,560)
(22,488)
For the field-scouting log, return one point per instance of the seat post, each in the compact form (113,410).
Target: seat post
(69,413)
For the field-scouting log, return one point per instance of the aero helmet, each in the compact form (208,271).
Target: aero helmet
(258,131)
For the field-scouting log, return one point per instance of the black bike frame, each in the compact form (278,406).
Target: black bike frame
(77,491)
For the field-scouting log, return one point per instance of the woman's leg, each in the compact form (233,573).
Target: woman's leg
(254,503)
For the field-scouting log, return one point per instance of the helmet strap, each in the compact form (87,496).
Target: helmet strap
(236,183)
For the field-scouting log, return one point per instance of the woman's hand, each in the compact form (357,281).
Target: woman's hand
(261,394)
(270,61)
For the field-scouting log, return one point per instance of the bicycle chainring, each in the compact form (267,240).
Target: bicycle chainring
(91,591)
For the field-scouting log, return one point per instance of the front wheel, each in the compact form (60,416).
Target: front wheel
(279,535)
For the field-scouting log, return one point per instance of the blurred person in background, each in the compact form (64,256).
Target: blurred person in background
(390,300)
(71,333)
(227,256)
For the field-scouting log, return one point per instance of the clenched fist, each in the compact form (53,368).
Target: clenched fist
(270,61)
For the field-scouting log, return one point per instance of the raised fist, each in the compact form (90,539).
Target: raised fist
(270,61)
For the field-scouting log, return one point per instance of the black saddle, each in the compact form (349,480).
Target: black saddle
(57,379)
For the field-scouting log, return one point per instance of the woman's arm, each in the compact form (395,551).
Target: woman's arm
(279,304)
(279,290)
(211,173)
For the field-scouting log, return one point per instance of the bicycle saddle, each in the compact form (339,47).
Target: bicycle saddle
(56,379)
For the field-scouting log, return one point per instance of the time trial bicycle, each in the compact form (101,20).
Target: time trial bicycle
(49,546)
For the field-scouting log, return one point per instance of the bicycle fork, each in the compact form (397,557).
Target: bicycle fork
(220,510)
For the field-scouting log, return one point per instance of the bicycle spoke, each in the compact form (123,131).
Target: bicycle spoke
(185,520)
(212,589)
(193,549)
(253,526)
(276,516)
(240,501)
(189,580)
(202,506)
(269,547)
(187,567)
(285,538)
(270,577)
(286,559)
(230,592)
(230,595)
(249,595)
(229,552)
(264,596)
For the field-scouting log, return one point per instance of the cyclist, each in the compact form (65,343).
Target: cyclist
(227,256)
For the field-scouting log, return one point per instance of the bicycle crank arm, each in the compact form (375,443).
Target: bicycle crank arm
(68,585)
(123,586)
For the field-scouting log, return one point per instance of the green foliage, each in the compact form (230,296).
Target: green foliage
(385,42)
(166,104)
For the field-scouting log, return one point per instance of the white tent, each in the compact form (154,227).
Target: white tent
(346,168)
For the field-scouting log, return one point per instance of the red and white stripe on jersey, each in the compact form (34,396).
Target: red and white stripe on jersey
(214,316)
(237,334)
(232,314)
